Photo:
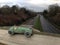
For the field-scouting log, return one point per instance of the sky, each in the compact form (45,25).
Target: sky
(35,2)
(29,3)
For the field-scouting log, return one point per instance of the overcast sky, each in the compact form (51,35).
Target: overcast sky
(29,3)
(35,2)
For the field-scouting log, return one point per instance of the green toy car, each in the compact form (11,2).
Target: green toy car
(26,31)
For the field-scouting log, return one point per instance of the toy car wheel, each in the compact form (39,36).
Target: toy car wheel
(11,33)
(27,34)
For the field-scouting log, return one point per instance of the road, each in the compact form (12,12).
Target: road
(47,26)
(22,40)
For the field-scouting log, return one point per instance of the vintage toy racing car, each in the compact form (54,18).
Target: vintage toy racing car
(17,29)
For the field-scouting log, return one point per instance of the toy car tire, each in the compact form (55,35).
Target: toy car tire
(27,34)
(11,33)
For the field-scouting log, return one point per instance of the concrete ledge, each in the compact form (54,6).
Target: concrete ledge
(48,34)
(35,31)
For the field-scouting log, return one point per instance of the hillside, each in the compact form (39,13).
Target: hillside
(14,15)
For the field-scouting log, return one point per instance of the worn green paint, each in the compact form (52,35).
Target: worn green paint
(18,29)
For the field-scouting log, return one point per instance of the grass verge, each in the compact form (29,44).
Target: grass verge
(37,24)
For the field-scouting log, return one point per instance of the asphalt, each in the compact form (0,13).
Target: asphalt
(47,26)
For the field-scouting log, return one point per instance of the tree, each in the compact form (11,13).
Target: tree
(45,12)
(53,10)
(5,9)
(14,9)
